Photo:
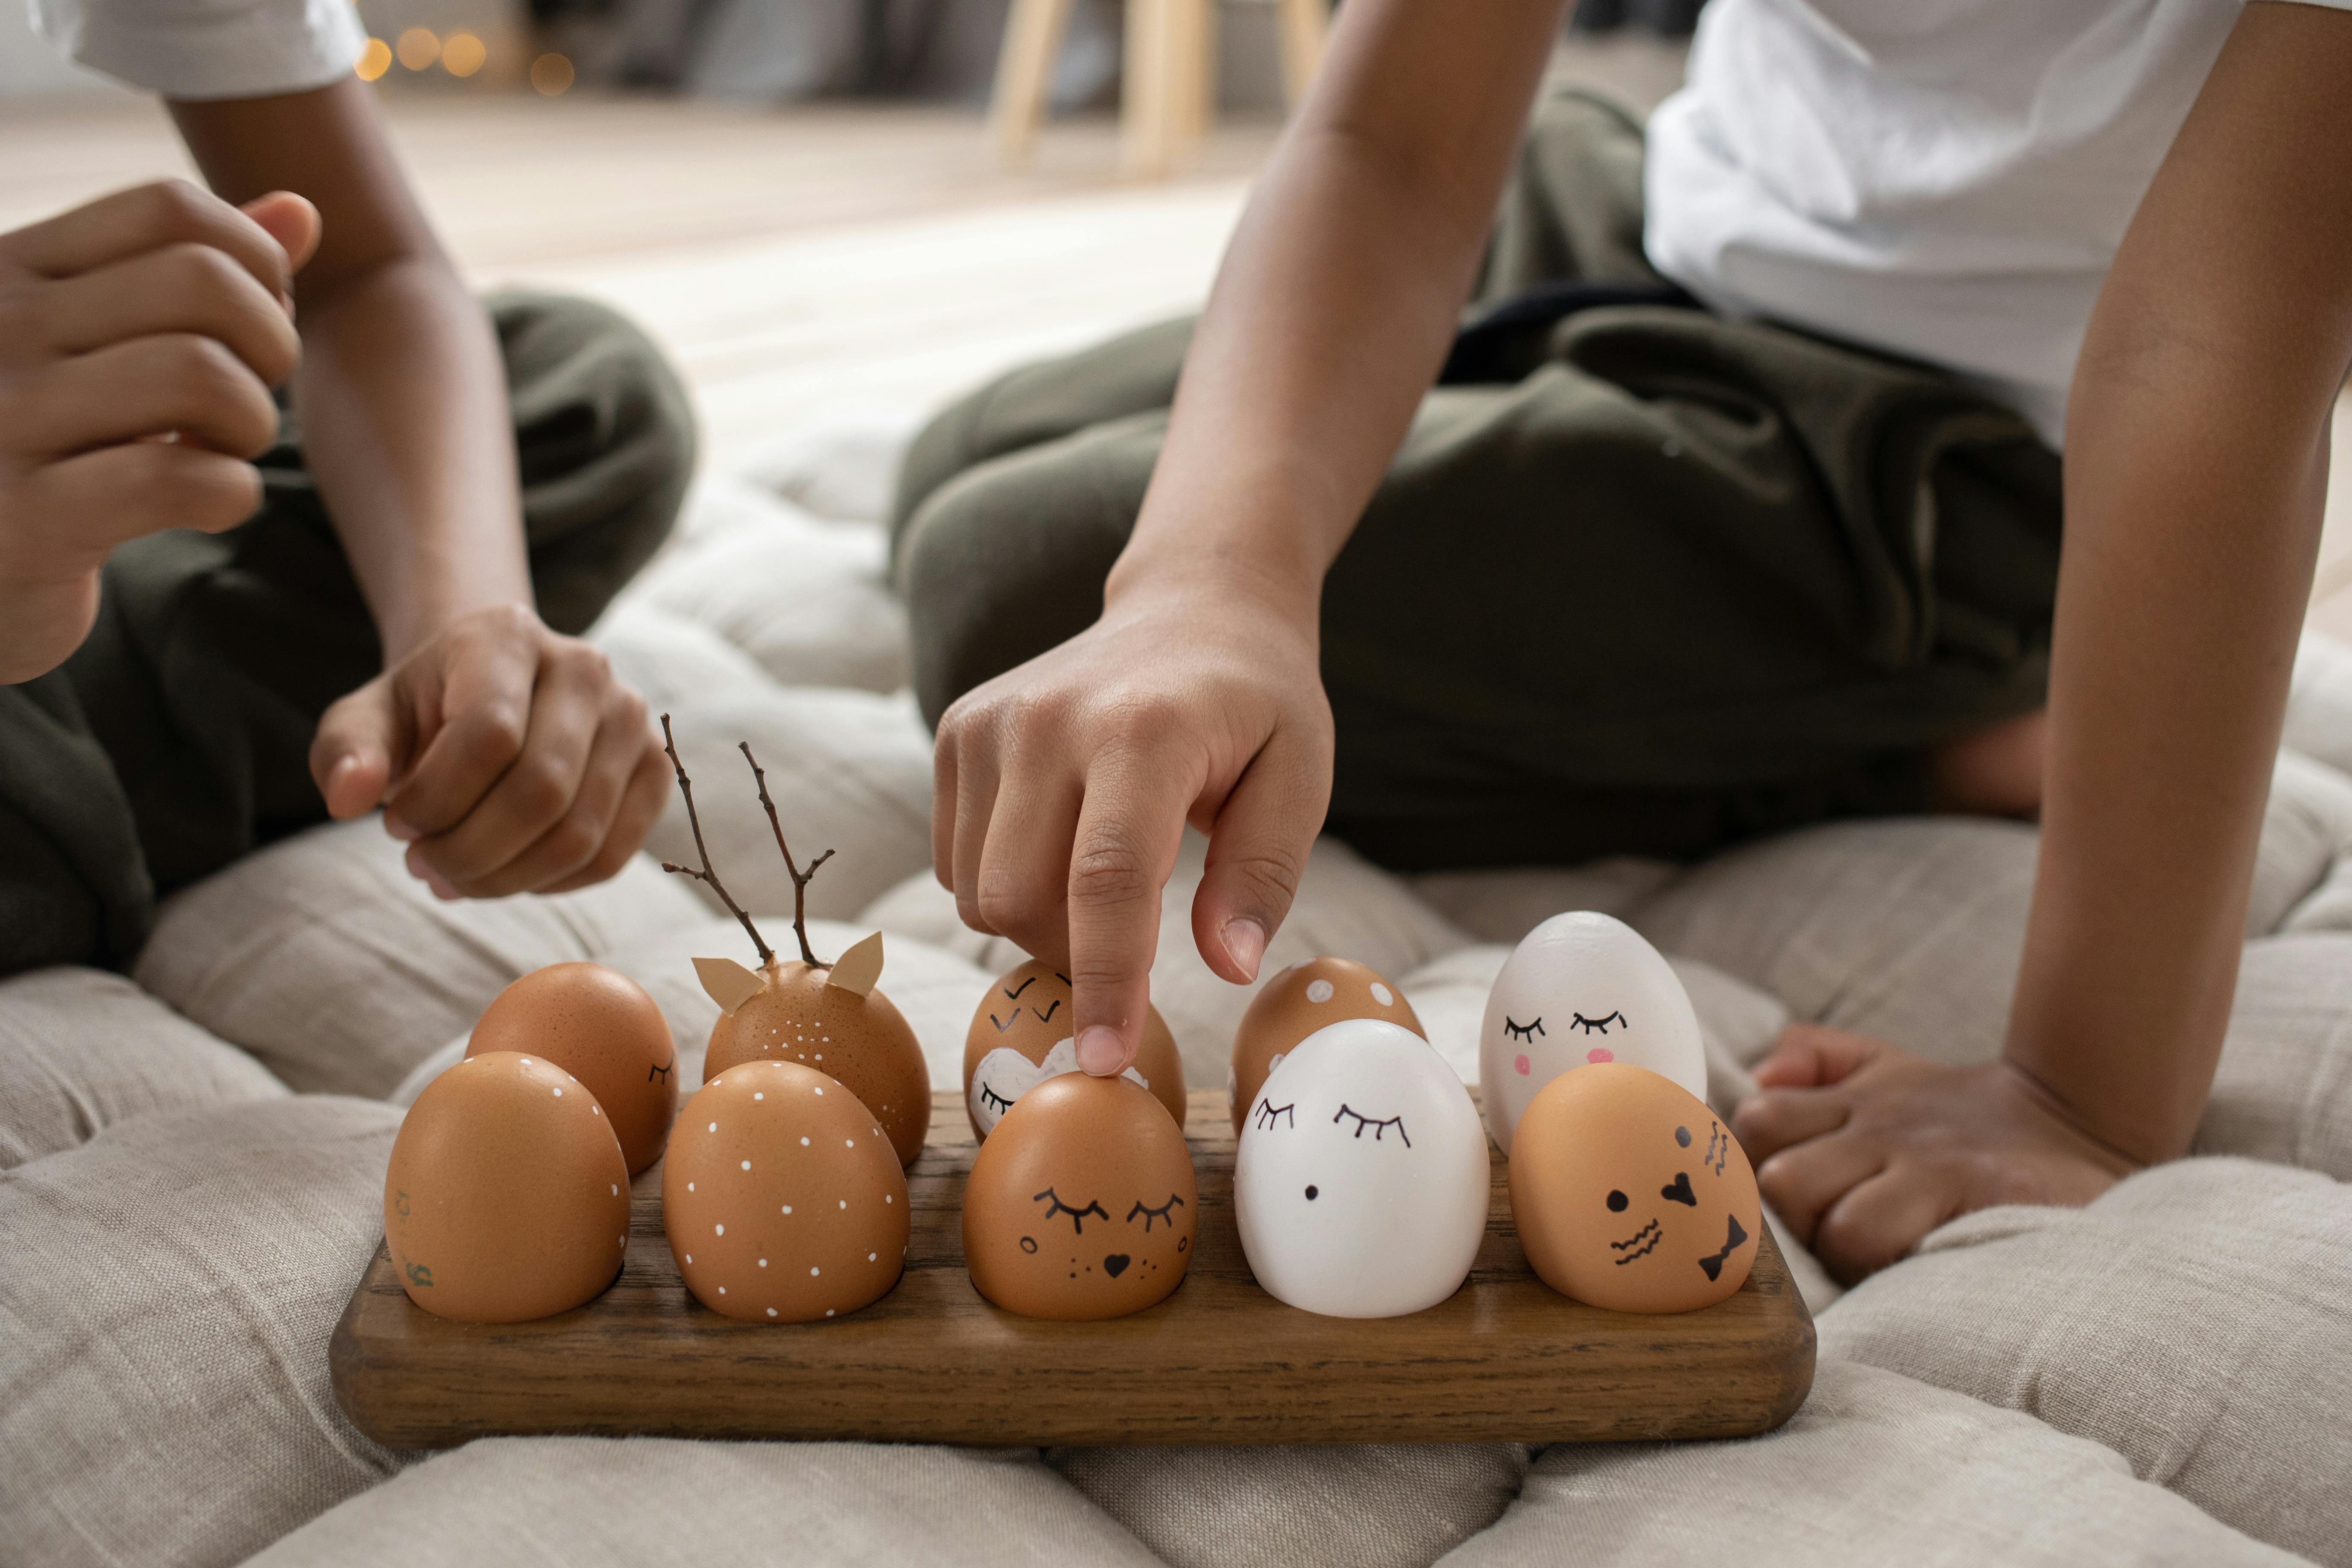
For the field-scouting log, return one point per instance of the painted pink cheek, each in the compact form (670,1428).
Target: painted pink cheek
(1600,1054)
(1522,1065)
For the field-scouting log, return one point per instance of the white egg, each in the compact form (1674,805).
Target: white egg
(1362,1184)
(1582,988)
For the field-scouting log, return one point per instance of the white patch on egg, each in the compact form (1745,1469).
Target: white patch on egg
(1362,1184)
(1005,1075)
(1582,988)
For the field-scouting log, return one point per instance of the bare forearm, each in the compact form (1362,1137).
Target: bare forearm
(2196,466)
(406,429)
(1339,295)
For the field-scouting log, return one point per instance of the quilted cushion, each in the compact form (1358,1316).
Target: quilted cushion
(170,1291)
(1874,1468)
(81,1050)
(579,1502)
(2193,1319)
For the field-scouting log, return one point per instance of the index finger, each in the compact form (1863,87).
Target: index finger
(1128,829)
(148,218)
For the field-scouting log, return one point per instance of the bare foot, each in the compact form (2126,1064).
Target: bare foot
(1993,772)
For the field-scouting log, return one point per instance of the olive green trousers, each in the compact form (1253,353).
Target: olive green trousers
(177,737)
(1640,579)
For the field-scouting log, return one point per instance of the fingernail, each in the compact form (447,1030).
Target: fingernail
(443,889)
(1245,942)
(1099,1051)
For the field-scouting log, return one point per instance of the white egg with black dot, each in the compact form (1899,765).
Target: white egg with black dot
(1361,1185)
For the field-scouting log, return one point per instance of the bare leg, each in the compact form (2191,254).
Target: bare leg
(1993,772)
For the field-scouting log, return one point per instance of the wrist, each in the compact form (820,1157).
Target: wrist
(409,628)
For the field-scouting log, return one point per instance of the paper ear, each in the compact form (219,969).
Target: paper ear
(728,982)
(859,968)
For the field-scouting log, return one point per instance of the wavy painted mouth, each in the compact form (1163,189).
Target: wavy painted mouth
(1645,1241)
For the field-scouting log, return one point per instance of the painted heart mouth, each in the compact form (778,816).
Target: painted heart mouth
(1116,1264)
(1005,1075)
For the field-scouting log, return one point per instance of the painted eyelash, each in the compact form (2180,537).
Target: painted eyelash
(1378,1125)
(1047,1017)
(1267,1110)
(1078,1216)
(1012,993)
(1597,1025)
(1166,1211)
(1522,1031)
(1002,1024)
(989,1097)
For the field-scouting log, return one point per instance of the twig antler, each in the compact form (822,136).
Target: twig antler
(706,876)
(800,877)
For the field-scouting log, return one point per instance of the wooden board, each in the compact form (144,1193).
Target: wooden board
(1505,1359)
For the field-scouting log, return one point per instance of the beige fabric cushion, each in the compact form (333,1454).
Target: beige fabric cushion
(325,958)
(2284,1091)
(2193,1319)
(1345,906)
(670,659)
(849,772)
(2307,842)
(1503,906)
(581,1502)
(81,1050)
(2319,702)
(807,599)
(1376,1506)
(1874,1468)
(165,1309)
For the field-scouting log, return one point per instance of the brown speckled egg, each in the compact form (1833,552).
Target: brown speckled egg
(506,1197)
(864,1041)
(598,1026)
(1082,1205)
(1021,1035)
(1630,1194)
(782,1197)
(1303,998)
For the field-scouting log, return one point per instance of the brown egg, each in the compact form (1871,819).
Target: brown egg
(781,1197)
(598,1026)
(506,1197)
(862,1039)
(1083,1204)
(1021,1035)
(1303,998)
(1631,1194)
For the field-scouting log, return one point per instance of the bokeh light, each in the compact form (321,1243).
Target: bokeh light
(417,49)
(375,58)
(551,74)
(463,54)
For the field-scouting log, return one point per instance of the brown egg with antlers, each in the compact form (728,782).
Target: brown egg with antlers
(1293,1005)
(1021,1035)
(825,1016)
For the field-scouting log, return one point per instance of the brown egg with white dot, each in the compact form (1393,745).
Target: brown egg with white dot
(781,1197)
(602,1028)
(862,1040)
(1303,998)
(506,1197)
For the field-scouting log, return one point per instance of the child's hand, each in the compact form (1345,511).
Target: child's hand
(509,758)
(1864,1149)
(1063,787)
(140,336)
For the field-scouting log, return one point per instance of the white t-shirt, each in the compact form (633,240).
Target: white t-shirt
(1943,179)
(207,48)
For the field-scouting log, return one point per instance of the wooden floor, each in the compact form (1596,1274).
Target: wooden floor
(829,260)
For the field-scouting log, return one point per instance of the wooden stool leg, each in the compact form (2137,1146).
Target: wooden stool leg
(1302,24)
(1165,97)
(1024,72)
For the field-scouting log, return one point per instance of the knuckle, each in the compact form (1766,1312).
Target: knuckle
(542,787)
(498,734)
(1267,881)
(176,206)
(1145,721)
(572,842)
(1109,872)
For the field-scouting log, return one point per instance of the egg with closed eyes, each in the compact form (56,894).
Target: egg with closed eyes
(1021,1035)
(1580,989)
(1361,1184)
(1291,1005)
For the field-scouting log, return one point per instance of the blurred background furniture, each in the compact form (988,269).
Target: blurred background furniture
(1170,71)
